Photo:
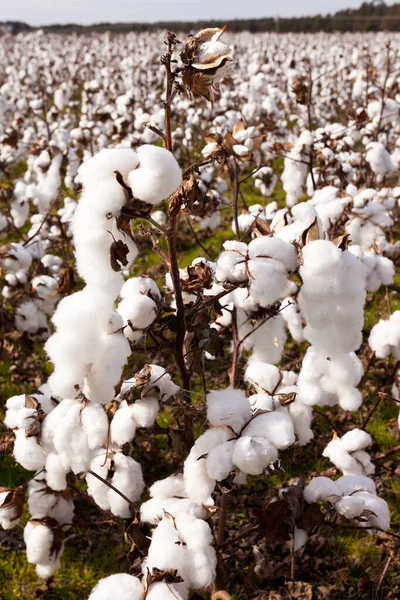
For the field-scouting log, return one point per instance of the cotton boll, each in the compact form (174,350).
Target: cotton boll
(301,416)
(261,402)
(128,479)
(42,503)
(166,549)
(275,248)
(379,515)
(231,266)
(300,538)
(169,487)
(348,484)
(263,376)
(123,425)
(56,474)
(276,427)
(27,451)
(253,455)
(145,411)
(105,163)
(198,484)
(158,176)
(228,407)
(201,560)
(356,439)
(320,488)
(120,586)
(163,591)
(95,425)
(350,507)
(267,280)
(137,315)
(219,461)
(38,539)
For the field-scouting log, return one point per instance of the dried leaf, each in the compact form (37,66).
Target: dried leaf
(311,233)
(138,540)
(118,254)
(275,521)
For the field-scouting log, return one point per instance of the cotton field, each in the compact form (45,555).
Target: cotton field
(200,321)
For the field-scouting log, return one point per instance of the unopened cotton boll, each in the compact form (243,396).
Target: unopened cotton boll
(120,586)
(157,177)
(228,407)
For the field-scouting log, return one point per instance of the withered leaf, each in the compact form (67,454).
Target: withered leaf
(275,521)
(311,518)
(138,540)
(118,254)
(342,241)
(66,281)
(262,226)
(30,402)
(166,575)
(7,440)
(311,233)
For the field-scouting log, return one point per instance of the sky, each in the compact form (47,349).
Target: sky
(45,12)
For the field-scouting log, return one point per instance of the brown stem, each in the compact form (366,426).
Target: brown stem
(235,353)
(234,173)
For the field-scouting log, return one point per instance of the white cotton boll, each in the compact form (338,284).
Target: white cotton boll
(301,416)
(139,285)
(96,488)
(379,511)
(157,177)
(168,487)
(164,551)
(261,402)
(263,376)
(128,479)
(339,456)
(163,591)
(320,488)
(276,427)
(38,539)
(348,484)
(95,425)
(292,318)
(145,411)
(42,503)
(231,266)
(56,475)
(102,166)
(268,247)
(27,451)
(9,515)
(219,461)
(29,318)
(123,425)
(364,458)
(267,280)
(350,507)
(384,338)
(47,570)
(228,407)
(253,455)
(13,407)
(198,484)
(120,586)
(154,509)
(201,560)
(356,439)
(138,313)
(52,421)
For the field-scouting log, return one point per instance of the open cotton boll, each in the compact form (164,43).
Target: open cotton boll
(95,424)
(261,402)
(267,280)
(123,425)
(348,484)
(301,416)
(340,457)
(164,591)
(201,558)
(154,509)
(228,407)
(140,285)
(138,313)
(27,451)
(350,507)
(103,165)
(56,474)
(272,247)
(275,426)
(168,487)
(42,503)
(384,338)
(263,376)
(356,439)
(157,177)
(219,461)
(379,514)
(320,488)
(166,550)
(253,455)
(145,411)
(198,484)
(120,586)
(231,266)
